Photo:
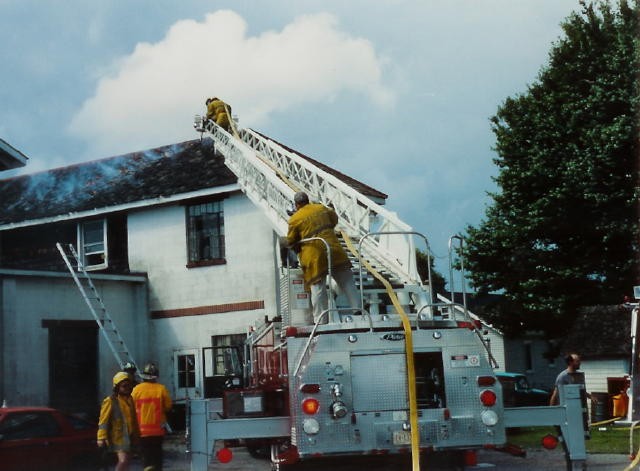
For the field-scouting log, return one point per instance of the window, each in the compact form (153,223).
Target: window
(186,371)
(205,233)
(25,425)
(528,356)
(79,424)
(92,243)
(227,353)
(223,364)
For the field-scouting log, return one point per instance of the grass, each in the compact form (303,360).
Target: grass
(604,439)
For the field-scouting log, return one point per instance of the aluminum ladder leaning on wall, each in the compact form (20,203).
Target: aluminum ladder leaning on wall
(96,306)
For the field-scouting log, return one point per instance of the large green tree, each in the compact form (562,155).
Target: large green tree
(562,230)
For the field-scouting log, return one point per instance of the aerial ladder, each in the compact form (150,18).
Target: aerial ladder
(269,174)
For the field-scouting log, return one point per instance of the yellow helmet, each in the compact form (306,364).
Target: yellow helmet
(120,377)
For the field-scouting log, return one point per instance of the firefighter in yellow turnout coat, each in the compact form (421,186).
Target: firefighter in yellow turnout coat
(152,402)
(316,220)
(118,426)
(217,111)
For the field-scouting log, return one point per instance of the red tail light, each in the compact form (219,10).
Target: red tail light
(310,406)
(224,455)
(310,388)
(470,458)
(466,325)
(470,324)
(549,441)
(488,398)
(485,381)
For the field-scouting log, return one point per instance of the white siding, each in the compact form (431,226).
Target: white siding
(596,372)
(158,246)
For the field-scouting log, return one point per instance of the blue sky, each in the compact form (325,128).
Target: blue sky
(396,93)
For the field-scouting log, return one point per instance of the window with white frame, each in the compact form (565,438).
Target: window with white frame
(186,366)
(205,233)
(92,244)
(187,373)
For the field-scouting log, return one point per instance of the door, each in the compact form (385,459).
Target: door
(73,366)
(186,379)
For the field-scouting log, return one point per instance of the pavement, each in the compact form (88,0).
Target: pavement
(536,460)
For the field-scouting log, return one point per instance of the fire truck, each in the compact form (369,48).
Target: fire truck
(405,373)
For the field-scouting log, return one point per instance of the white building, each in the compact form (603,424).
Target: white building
(183,260)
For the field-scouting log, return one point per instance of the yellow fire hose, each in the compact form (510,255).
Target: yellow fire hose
(604,422)
(411,373)
(636,459)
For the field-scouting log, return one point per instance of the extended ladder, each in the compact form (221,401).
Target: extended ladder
(266,173)
(96,306)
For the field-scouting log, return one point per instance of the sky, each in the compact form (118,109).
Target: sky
(395,93)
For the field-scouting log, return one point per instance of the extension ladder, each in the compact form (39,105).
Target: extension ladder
(96,306)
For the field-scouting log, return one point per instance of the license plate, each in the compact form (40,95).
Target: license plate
(402,438)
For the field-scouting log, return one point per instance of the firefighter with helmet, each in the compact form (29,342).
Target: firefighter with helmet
(316,220)
(219,111)
(130,368)
(152,402)
(118,425)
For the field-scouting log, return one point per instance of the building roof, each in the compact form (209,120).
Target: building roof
(150,176)
(600,331)
(10,157)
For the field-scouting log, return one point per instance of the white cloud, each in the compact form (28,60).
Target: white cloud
(154,92)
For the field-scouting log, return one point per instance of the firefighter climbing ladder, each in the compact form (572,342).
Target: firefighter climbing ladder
(266,172)
(96,306)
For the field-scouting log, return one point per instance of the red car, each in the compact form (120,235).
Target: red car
(41,438)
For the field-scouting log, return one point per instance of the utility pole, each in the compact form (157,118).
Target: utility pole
(633,411)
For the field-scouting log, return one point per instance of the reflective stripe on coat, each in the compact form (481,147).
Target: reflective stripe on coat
(118,425)
(152,402)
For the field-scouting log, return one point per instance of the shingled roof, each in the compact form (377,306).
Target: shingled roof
(10,157)
(600,331)
(139,176)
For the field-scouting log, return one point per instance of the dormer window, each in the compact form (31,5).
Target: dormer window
(92,244)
